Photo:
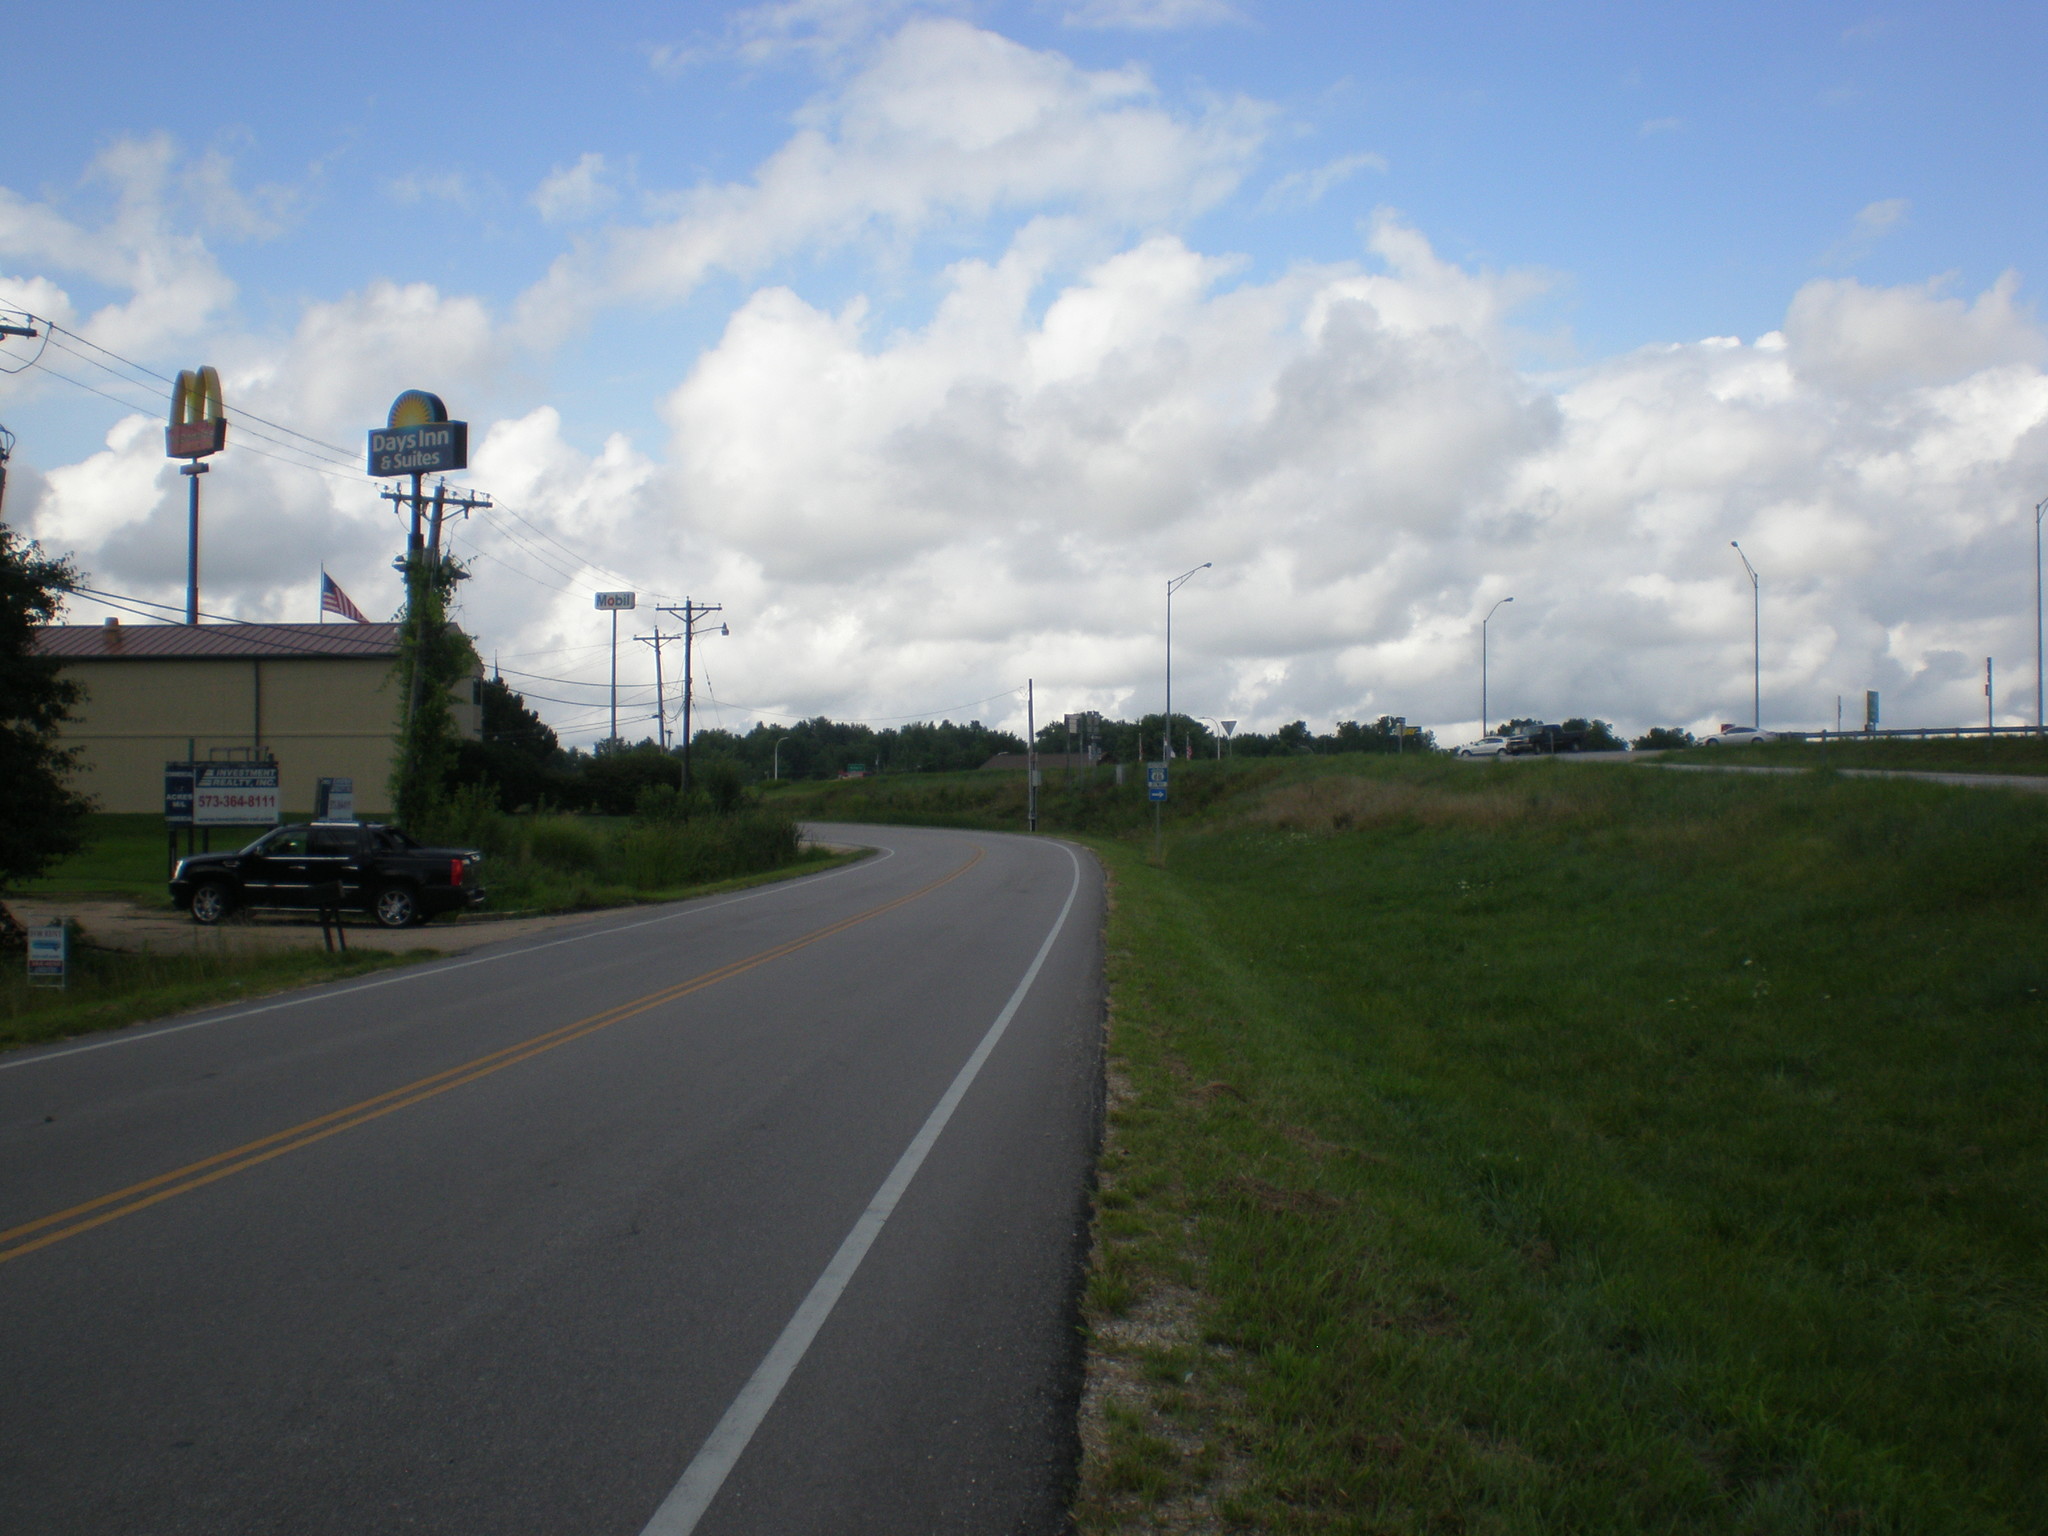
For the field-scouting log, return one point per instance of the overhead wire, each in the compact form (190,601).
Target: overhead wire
(345,455)
(28,315)
(162,390)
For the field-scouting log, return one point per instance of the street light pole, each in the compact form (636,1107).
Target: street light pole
(2039,507)
(1756,639)
(1484,728)
(775,772)
(1166,735)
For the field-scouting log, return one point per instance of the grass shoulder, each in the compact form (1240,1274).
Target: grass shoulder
(1569,1148)
(112,989)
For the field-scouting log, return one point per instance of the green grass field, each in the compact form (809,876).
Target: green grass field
(125,855)
(1584,1149)
(1564,1148)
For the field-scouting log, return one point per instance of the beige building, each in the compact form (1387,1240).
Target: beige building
(320,699)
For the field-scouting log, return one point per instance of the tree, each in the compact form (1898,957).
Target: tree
(433,655)
(1600,735)
(517,753)
(41,816)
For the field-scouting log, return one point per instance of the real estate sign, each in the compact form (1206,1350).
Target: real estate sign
(221,794)
(47,953)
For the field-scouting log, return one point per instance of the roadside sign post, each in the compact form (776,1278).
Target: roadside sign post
(48,954)
(616,603)
(1155,791)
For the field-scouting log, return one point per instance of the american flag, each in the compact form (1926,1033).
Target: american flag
(334,600)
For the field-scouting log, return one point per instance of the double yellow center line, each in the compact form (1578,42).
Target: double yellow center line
(54,1228)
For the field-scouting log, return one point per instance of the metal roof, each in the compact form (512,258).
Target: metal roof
(215,642)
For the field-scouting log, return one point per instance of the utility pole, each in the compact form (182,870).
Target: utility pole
(422,560)
(691,613)
(7,437)
(658,640)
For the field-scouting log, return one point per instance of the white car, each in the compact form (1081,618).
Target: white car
(1738,736)
(1486,746)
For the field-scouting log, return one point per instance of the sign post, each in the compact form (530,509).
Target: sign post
(1155,791)
(616,603)
(48,955)
(198,429)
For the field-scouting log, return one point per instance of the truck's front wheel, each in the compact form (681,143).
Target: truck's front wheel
(211,902)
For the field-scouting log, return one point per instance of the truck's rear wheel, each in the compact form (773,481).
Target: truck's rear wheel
(396,907)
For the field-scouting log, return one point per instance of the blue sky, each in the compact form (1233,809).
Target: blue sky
(1617,178)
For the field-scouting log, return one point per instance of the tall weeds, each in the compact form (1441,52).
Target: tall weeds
(551,861)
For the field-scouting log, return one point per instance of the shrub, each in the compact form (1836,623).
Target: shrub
(564,843)
(1667,738)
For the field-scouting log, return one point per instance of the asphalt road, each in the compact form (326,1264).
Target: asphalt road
(766,1209)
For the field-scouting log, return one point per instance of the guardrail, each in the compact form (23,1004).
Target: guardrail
(1916,733)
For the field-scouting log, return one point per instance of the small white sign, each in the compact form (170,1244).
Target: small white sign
(616,601)
(47,954)
(335,800)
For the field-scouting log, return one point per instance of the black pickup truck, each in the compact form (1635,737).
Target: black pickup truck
(1545,738)
(332,864)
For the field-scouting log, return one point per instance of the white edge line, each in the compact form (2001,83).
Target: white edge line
(421,972)
(707,1472)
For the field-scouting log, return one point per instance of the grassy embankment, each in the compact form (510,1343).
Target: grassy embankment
(1565,1147)
(1958,754)
(545,863)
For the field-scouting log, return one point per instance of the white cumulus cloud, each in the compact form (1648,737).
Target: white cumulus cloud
(947,122)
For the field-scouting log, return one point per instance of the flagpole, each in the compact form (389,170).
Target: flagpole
(323,594)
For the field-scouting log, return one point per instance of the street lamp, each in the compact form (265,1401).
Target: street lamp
(776,772)
(1484,728)
(1756,640)
(2039,507)
(1166,736)
(1218,738)
(1173,586)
